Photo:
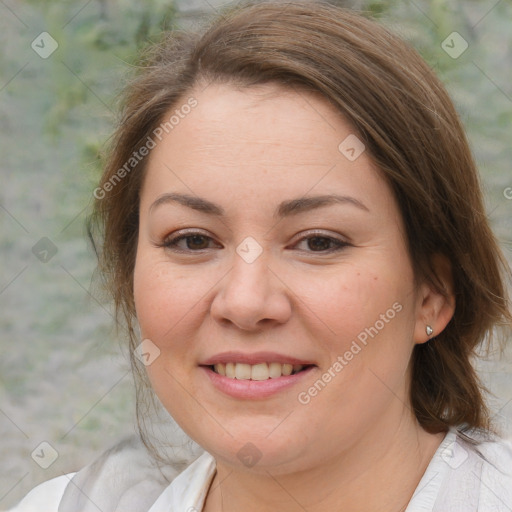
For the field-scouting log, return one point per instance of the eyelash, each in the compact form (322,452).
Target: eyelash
(171,242)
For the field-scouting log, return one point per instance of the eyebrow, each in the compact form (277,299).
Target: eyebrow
(285,208)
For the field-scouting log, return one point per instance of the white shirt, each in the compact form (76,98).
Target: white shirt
(460,478)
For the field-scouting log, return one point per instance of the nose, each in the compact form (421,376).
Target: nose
(251,296)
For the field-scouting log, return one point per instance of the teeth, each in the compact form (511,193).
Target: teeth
(274,370)
(230,370)
(242,371)
(287,369)
(260,371)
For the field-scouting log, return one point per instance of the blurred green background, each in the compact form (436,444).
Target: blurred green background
(64,377)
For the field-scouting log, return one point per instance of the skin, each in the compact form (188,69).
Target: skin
(356,442)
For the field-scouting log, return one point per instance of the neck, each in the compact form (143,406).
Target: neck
(379,473)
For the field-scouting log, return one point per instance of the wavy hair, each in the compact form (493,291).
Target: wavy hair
(404,116)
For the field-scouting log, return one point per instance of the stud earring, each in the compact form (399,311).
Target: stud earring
(429,330)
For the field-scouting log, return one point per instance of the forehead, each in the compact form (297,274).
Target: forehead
(263,142)
(266,116)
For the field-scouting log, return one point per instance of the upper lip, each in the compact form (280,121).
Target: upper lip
(253,358)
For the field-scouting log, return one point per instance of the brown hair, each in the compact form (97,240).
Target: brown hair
(409,126)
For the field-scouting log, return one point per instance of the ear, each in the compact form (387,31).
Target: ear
(433,308)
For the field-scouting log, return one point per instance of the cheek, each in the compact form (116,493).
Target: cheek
(171,310)
(164,299)
(349,301)
(364,327)
(363,324)
(166,303)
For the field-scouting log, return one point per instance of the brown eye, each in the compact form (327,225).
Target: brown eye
(190,242)
(320,243)
(196,241)
(323,244)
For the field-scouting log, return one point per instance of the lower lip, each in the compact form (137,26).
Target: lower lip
(254,389)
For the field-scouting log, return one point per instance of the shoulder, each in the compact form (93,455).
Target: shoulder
(125,477)
(495,476)
(469,471)
(492,453)
(48,493)
(479,472)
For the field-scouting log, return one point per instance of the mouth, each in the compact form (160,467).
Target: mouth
(255,376)
(258,381)
(259,371)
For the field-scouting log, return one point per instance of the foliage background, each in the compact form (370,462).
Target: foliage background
(64,378)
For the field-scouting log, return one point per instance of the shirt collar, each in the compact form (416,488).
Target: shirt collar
(187,492)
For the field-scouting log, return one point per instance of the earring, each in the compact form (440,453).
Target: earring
(429,330)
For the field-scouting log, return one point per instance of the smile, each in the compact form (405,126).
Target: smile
(260,371)
(244,386)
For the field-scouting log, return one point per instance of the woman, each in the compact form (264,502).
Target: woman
(292,217)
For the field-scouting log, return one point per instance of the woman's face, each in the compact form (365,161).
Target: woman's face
(269,243)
